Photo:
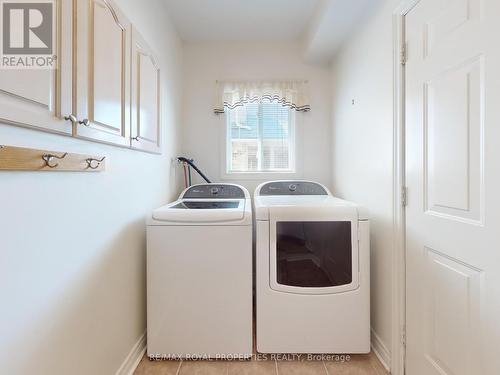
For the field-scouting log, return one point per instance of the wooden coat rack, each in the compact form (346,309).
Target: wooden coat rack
(28,159)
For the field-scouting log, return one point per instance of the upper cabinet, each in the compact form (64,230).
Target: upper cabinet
(41,98)
(145,97)
(103,39)
(106,87)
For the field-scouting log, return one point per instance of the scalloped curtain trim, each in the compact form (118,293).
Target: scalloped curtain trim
(292,94)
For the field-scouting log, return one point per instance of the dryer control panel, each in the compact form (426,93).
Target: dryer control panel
(292,188)
(218,191)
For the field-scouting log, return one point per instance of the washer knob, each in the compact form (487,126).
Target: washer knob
(214,191)
(292,187)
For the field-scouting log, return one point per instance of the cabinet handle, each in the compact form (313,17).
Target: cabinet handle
(71,118)
(84,122)
(135,138)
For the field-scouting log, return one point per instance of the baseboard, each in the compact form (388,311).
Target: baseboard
(381,351)
(134,357)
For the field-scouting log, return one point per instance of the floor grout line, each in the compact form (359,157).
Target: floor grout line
(326,369)
(179,368)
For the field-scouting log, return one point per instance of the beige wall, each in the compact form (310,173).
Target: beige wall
(203,131)
(362,144)
(72,245)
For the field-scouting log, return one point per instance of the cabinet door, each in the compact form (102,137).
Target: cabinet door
(103,72)
(146,122)
(41,98)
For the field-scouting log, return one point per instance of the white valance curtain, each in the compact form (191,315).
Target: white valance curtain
(231,94)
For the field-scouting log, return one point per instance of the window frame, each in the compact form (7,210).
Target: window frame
(295,154)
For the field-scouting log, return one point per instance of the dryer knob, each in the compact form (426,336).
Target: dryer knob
(214,191)
(292,187)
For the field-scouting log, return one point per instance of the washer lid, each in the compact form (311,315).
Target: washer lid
(201,211)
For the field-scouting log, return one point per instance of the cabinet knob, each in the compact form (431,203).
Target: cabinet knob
(71,118)
(85,122)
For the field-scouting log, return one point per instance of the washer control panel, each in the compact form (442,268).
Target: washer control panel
(219,191)
(292,188)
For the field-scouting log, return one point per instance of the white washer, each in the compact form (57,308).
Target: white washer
(199,274)
(312,271)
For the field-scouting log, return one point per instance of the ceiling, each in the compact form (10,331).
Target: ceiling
(333,22)
(321,26)
(240,20)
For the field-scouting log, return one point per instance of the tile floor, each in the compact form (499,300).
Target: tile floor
(361,364)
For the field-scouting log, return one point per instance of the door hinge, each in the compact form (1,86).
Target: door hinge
(404,54)
(404,196)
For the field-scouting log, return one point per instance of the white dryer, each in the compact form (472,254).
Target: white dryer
(199,274)
(312,271)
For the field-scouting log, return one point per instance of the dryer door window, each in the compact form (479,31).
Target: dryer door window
(313,254)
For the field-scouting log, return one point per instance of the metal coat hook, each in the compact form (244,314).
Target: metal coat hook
(94,163)
(47,158)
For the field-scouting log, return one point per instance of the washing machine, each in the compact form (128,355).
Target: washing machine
(199,275)
(312,270)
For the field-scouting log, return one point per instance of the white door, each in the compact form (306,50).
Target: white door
(146,129)
(102,72)
(41,98)
(453,179)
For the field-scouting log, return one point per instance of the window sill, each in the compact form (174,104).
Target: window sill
(260,176)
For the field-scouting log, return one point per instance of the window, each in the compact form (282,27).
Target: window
(260,138)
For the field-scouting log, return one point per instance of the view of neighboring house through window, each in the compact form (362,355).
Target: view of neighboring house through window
(260,138)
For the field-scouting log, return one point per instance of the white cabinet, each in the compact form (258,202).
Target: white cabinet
(106,87)
(102,72)
(42,98)
(146,130)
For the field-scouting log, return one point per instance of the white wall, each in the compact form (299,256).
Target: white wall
(72,245)
(362,144)
(203,131)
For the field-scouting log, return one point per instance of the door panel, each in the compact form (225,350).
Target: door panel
(448,17)
(452,147)
(19,83)
(42,98)
(103,72)
(146,119)
(451,316)
(108,81)
(453,130)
